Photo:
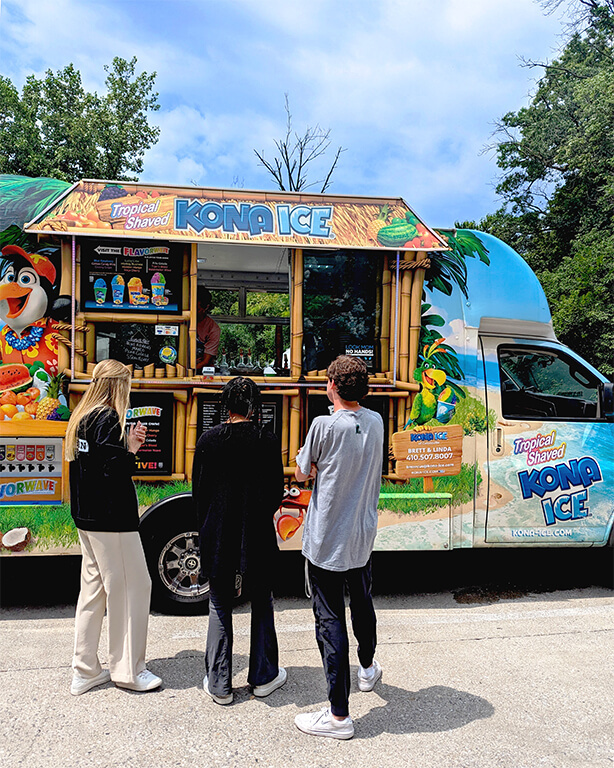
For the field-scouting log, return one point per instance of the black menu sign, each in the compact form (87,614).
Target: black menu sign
(123,276)
(155,410)
(210,413)
(137,343)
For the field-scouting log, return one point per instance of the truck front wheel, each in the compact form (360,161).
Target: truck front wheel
(170,537)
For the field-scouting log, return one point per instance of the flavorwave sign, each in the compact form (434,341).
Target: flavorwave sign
(31,490)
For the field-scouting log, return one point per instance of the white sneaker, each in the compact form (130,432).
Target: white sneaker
(145,681)
(80,684)
(273,685)
(218,699)
(322,723)
(368,677)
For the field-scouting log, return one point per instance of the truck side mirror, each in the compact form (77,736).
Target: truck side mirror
(606,400)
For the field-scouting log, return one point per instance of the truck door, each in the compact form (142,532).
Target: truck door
(550,456)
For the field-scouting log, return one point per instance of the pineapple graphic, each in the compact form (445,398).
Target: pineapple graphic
(49,407)
(374,226)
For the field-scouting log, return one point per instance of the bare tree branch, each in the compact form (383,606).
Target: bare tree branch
(296,153)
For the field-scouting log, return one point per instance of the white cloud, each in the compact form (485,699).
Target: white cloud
(410,88)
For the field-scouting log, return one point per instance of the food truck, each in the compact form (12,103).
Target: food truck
(496,434)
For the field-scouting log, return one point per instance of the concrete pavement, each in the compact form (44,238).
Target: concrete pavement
(515,683)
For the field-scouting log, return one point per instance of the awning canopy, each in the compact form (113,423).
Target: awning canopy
(191,214)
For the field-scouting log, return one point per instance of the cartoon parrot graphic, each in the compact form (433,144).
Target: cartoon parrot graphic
(436,399)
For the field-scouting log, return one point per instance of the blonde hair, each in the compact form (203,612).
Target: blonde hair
(110,388)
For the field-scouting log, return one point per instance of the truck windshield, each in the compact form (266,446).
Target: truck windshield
(538,383)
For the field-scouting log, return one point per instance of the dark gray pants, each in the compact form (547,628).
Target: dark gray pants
(263,651)
(328,601)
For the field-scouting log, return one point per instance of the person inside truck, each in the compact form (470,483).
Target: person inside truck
(207,330)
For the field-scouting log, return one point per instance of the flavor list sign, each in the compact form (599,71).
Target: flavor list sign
(278,218)
(31,470)
(429,452)
(155,411)
(130,277)
(210,414)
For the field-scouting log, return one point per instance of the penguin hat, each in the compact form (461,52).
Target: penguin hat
(27,287)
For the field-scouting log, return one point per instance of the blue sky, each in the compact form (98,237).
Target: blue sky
(410,88)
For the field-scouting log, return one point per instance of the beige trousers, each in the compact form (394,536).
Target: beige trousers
(113,576)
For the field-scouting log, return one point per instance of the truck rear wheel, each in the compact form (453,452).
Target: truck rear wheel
(170,537)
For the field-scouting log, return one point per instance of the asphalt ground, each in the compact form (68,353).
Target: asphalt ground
(497,672)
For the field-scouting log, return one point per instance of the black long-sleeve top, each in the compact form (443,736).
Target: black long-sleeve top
(237,484)
(102,493)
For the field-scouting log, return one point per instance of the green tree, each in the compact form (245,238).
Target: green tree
(55,128)
(556,157)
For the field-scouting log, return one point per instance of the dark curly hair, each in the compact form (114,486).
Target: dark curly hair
(242,396)
(350,376)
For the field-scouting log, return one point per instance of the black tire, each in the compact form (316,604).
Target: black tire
(170,537)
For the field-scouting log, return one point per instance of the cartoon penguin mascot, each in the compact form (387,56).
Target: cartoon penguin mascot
(27,298)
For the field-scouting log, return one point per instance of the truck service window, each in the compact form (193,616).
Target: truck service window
(341,311)
(250,290)
(538,383)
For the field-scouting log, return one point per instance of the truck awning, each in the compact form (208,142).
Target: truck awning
(192,214)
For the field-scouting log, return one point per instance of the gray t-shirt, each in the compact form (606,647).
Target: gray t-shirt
(341,521)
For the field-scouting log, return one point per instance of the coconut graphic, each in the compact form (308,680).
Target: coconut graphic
(17,539)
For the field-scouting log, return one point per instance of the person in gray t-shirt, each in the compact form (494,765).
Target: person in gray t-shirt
(343,454)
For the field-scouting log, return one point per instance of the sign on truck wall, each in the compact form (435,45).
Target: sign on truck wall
(429,452)
(193,214)
(30,470)
(155,410)
(130,276)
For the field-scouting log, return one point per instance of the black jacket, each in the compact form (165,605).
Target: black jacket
(102,494)
(237,484)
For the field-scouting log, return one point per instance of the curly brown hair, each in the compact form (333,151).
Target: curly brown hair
(350,376)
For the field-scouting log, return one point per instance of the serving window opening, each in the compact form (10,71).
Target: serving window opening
(250,304)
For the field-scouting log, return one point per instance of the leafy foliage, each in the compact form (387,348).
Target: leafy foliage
(556,157)
(22,199)
(449,268)
(55,128)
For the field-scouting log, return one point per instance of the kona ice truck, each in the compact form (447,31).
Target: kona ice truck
(496,434)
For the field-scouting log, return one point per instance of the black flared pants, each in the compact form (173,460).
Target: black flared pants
(263,651)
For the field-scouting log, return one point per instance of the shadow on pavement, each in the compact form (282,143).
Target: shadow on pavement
(396,710)
(429,710)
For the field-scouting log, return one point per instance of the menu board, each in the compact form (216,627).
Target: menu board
(130,276)
(155,411)
(210,413)
(30,470)
(139,344)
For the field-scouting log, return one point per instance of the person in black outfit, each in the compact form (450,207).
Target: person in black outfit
(237,484)
(104,507)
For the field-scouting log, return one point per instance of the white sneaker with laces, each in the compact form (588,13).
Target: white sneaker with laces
(80,684)
(368,677)
(273,685)
(322,723)
(145,681)
(218,699)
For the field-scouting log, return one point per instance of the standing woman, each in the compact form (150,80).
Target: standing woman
(237,484)
(104,506)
